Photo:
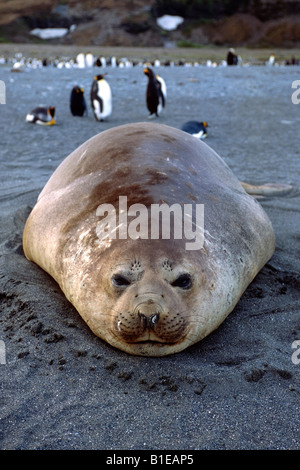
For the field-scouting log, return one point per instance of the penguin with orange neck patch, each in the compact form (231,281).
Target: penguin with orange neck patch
(196,129)
(42,115)
(77,101)
(101,98)
(155,93)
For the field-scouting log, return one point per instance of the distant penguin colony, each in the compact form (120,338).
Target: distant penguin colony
(155,93)
(195,128)
(42,115)
(77,101)
(101,95)
(101,98)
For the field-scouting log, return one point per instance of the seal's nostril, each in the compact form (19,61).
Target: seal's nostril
(153,320)
(148,321)
(143,320)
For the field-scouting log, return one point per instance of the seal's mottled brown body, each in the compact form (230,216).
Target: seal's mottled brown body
(144,296)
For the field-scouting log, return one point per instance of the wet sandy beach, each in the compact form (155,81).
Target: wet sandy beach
(62,387)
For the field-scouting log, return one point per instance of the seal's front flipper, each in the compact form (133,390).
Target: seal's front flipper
(268,189)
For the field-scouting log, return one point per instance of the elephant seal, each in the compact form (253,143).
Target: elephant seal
(153,295)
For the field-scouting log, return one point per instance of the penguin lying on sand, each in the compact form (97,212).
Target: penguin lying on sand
(197,129)
(77,101)
(42,115)
(101,98)
(155,93)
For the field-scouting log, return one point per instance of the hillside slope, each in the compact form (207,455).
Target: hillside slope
(265,23)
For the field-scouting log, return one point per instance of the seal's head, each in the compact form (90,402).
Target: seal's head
(147,299)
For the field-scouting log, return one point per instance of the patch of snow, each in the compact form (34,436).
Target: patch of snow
(169,22)
(49,33)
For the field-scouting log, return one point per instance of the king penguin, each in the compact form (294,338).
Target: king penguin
(163,88)
(232,58)
(155,93)
(77,101)
(195,128)
(101,98)
(42,115)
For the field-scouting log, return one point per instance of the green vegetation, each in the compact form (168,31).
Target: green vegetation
(189,44)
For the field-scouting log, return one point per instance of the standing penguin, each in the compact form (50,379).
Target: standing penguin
(42,115)
(77,101)
(101,98)
(232,58)
(163,89)
(155,98)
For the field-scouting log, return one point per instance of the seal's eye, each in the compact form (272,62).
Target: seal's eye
(120,281)
(184,281)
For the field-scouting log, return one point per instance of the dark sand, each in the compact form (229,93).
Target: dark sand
(62,387)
